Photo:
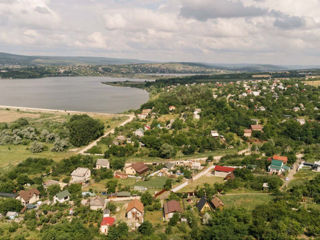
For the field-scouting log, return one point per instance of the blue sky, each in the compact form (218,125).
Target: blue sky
(216,31)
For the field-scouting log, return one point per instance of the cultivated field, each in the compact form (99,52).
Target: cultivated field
(313,83)
(245,200)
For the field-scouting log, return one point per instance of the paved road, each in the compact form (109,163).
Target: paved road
(94,143)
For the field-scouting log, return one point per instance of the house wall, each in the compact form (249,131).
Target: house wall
(55,200)
(130,171)
(221,174)
(134,213)
(95,208)
(104,229)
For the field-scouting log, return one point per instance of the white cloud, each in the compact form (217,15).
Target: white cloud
(265,31)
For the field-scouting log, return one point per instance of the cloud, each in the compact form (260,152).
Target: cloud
(286,22)
(210,9)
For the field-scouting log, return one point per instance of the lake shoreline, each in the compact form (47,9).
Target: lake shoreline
(47,110)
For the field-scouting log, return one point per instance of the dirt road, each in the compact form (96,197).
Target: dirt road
(94,143)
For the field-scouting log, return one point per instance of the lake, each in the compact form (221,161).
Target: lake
(85,94)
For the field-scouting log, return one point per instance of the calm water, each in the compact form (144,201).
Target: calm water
(71,93)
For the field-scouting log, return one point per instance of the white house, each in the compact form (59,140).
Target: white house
(80,175)
(61,197)
(12,215)
(135,212)
(102,163)
(97,203)
(214,133)
(105,224)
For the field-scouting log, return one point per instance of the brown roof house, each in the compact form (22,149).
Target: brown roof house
(247,133)
(217,203)
(171,207)
(97,203)
(136,168)
(257,128)
(80,175)
(28,196)
(135,213)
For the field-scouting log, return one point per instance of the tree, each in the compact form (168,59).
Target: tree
(175,219)
(118,232)
(112,186)
(146,199)
(168,185)
(146,228)
(167,151)
(53,190)
(10,205)
(84,129)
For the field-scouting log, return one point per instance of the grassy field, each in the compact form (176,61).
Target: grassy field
(153,183)
(313,83)
(199,182)
(245,200)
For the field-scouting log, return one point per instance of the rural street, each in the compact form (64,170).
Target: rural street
(94,143)
(292,171)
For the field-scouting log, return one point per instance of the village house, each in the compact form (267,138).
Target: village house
(135,212)
(170,166)
(302,121)
(28,196)
(284,159)
(102,163)
(278,167)
(97,203)
(247,133)
(217,203)
(106,213)
(105,224)
(139,132)
(171,207)
(80,175)
(196,114)
(136,168)
(172,108)
(203,205)
(12,215)
(257,128)
(221,171)
(214,133)
(195,165)
(62,197)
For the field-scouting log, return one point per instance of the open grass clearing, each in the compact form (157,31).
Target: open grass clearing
(153,183)
(199,182)
(302,176)
(245,200)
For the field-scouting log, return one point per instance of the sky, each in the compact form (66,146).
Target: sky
(283,32)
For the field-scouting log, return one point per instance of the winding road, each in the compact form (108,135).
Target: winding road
(94,143)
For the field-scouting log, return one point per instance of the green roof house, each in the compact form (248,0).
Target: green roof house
(278,167)
(62,197)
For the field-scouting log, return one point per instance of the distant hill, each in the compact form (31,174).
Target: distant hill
(12,59)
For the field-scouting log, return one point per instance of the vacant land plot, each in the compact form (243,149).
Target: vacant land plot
(245,200)
(199,182)
(153,183)
(313,83)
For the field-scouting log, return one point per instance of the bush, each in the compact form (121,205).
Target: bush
(36,147)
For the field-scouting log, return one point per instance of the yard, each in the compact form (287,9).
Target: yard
(199,182)
(302,176)
(245,200)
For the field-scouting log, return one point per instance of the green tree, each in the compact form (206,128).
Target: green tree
(84,129)
(146,228)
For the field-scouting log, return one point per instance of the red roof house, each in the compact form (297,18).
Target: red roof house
(105,224)
(221,171)
(224,169)
(284,159)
